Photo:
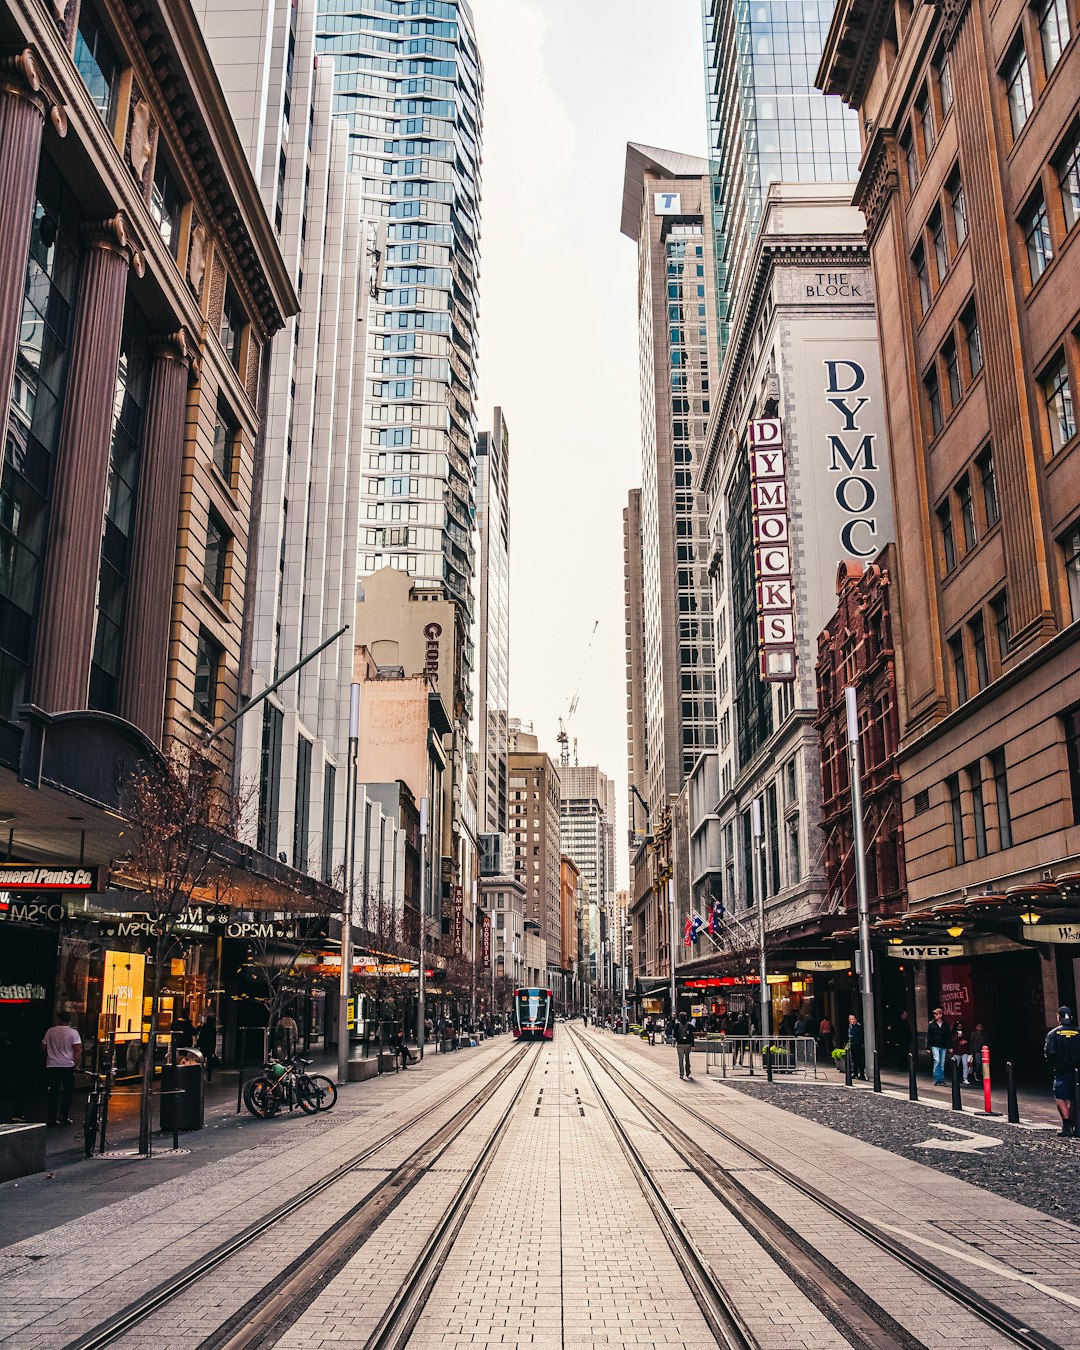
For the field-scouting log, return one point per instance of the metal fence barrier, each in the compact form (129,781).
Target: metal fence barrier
(745,1055)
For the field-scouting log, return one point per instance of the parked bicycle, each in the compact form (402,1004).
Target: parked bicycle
(288,1084)
(94,1117)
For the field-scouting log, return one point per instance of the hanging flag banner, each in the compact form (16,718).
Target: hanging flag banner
(772,550)
(458,897)
(485,944)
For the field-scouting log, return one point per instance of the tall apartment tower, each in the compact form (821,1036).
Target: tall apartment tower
(282,102)
(767,123)
(493,720)
(534,829)
(410,84)
(665,211)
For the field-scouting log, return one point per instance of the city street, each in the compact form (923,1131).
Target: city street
(571,1193)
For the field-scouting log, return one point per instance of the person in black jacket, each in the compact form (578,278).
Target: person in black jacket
(1062,1052)
(684,1043)
(856,1040)
(938,1039)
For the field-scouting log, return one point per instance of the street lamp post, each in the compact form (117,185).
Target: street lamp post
(866,982)
(671,936)
(759,874)
(345,987)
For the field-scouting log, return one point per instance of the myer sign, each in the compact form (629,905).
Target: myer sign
(932,951)
(1052,932)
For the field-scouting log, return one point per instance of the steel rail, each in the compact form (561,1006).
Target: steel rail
(727,1324)
(989,1313)
(112,1328)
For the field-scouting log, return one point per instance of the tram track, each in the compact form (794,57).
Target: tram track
(267,1314)
(859,1317)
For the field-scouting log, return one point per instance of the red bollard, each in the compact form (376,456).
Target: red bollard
(986,1078)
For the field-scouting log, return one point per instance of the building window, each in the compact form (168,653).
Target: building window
(978,808)
(959,665)
(978,646)
(1017,78)
(216,558)
(231,332)
(967,512)
(1001,796)
(922,272)
(270,779)
(948,542)
(969,323)
(957,812)
(208,655)
(1036,227)
(999,607)
(1069,179)
(96,62)
(933,399)
(302,814)
(1057,395)
(1053,31)
(925,111)
(945,89)
(226,437)
(936,225)
(1072,569)
(951,357)
(329,794)
(911,158)
(955,188)
(991,507)
(165,205)
(279,196)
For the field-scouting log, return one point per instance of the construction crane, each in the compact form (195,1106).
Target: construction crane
(563,738)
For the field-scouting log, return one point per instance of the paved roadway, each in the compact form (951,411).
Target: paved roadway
(585,1197)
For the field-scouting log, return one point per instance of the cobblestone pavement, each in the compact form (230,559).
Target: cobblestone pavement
(560,1246)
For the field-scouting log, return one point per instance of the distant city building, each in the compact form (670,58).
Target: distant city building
(493,712)
(534,829)
(587,825)
(570,897)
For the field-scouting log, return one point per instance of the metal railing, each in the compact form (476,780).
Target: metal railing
(745,1055)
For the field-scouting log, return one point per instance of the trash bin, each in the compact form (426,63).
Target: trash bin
(182,1101)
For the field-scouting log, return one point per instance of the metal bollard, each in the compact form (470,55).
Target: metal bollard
(986,1080)
(957,1100)
(877,1073)
(1010,1094)
(912,1080)
(768,1063)
(847,1067)
(1076,1103)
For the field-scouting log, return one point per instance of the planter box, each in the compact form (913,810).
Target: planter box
(22,1150)
(359,1069)
(388,1063)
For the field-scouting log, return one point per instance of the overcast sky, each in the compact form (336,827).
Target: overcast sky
(568,83)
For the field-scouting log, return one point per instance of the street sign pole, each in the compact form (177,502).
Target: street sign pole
(759,874)
(345,987)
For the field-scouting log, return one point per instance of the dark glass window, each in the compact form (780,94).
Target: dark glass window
(948,542)
(955,188)
(96,62)
(37,394)
(999,607)
(911,158)
(166,204)
(959,665)
(1036,227)
(951,357)
(933,399)
(329,807)
(936,225)
(978,646)
(231,331)
(967,512)
(925,110)
(302,815)
(774,839)
(1053,18)
(978,809)
(956,811)
(922,274)
(208,658)
(991,507)
(270,779)
(1069,179)
(216,558)
(226,438)
(1017,78)
(1001,793)
(969,322)
(945,89)
(125,453)
(1057,395)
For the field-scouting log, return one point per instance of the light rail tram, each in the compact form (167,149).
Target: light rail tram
(533,1015)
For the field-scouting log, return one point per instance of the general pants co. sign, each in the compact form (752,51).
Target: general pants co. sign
(772,550)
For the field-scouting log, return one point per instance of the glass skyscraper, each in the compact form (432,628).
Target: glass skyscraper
(409,79)
(767,122)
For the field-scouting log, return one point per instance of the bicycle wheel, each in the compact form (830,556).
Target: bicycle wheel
(260,1097)
(90,1124)
(316,1093)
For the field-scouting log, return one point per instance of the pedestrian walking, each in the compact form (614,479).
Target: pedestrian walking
(1062,1052)
(183,1031)
(650,1027)
(61,1044)
(286,1036)
(938,1038)
(978,1040)
(856,1042)
(684,1043)
(961,1051)
(206,1044)
(740,1030)
(825,1039)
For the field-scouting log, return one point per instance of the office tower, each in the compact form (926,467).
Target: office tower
(534,828)
(634,605)
(410,84)
(587,823)
(767,122)
(493,719)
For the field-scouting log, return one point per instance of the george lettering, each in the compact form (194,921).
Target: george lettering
(432,632)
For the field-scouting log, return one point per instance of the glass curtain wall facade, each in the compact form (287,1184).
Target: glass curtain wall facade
(493,520)
(409,79)
(767,122)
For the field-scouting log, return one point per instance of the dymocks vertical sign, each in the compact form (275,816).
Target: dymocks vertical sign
(772,550)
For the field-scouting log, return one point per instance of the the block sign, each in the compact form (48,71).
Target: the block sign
(772,550)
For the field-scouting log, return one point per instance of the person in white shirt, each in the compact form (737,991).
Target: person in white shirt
(61,1044)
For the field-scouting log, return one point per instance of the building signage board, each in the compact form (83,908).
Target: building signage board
(929,951)
(486,942)
(772,550)
(1052,932)
(459,919)
(822,964)
(25,877)
(667,203)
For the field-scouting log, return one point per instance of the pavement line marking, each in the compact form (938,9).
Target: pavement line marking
(992,1266)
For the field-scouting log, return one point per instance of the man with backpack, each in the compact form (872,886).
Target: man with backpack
(684,1043)
(1063,1055)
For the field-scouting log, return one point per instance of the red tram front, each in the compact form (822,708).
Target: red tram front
(533,1017)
